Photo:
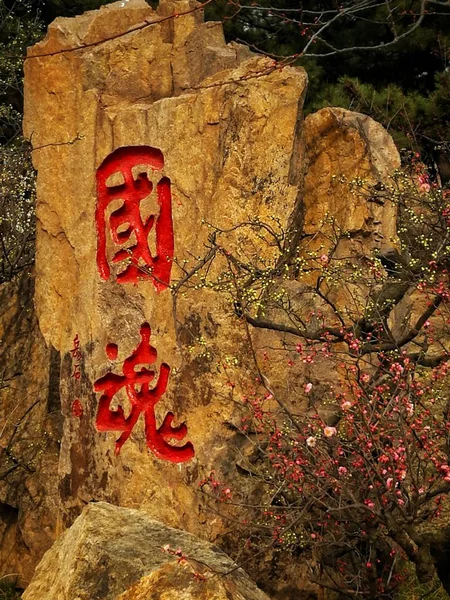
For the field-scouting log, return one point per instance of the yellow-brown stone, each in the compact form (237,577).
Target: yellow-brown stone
(231,130)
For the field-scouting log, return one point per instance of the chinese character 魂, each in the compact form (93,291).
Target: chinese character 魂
(142,398)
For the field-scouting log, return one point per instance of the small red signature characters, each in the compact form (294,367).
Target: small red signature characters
(77,356)
(77,408)
(142,400)
(127,226)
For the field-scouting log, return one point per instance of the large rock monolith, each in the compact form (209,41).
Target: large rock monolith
(155,141)
(116,106)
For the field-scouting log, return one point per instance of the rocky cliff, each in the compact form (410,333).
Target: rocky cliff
(150,136)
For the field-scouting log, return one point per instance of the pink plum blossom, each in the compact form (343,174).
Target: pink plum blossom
(329,431)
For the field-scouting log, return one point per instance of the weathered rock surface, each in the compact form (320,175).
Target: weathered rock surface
(227,147)
(342,147)
(30,430)
(340,150)
(177,582)
(109,549)
(230,129)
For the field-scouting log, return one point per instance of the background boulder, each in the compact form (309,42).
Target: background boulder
(109,549)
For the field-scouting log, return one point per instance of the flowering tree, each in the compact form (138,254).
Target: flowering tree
(358,477)
(359,496)
(17,190)
(19,27)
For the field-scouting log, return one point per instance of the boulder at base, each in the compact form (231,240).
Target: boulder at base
(113,553)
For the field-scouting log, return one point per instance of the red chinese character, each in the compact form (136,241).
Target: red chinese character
(76,352)
(127,225)
(76,343)
(77,409)
(142,400)
(76,372)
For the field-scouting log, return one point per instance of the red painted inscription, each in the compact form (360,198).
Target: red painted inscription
(77,409)
(126,226)
(142,400)
(77,357)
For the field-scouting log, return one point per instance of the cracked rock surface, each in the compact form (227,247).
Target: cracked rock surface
(113,553)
